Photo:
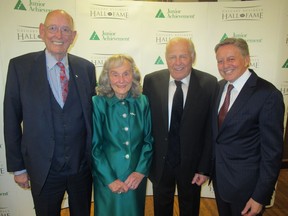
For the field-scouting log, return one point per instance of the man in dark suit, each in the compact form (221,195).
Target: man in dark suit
(47,132)
(181,156)
(248,141)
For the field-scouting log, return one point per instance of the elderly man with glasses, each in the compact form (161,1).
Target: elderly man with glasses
(47,120)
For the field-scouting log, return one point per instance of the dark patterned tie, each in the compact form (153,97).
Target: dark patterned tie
(224,109)
(174,137)
(63,81)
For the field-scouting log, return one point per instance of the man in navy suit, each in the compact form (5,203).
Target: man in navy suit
(185,163)
(248,143)
(48,136)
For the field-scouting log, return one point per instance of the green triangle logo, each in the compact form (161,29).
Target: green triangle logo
(285,64)
(94,36)
(159,61)
(224,37)
(160,14)
(19,6)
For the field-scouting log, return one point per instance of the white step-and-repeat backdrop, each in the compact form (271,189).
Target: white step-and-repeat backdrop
(141,29)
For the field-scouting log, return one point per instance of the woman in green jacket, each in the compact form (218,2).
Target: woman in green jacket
(122,141)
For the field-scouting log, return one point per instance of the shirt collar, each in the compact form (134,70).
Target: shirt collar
(51,61)
(185,80)
(240,82)
(113,100)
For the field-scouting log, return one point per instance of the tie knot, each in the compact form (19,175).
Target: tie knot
(230,87)
(178,83)
(61,65)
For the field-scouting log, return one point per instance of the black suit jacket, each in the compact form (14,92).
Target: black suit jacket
(195,128)
(248,146)
(28,128)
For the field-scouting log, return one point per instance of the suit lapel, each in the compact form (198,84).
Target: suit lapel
(40,82)
(75,71)
(192,94)
(164,85)
(222,84)
(244,95)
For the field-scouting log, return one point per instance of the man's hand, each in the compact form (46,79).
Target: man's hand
(199,179)
(252,208)
(22,180)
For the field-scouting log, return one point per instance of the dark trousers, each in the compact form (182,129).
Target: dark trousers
(229,209)
(163,194)
(78,187)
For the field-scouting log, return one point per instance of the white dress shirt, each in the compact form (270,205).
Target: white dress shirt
(53,74)
(172,89)
(238,85)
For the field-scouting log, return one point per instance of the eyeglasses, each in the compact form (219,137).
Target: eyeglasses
(53,29)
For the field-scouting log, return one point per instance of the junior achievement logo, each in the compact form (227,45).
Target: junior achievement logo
(28,34)
(243,36)
(20,6)
(159,61)
(162,37)
(108,36)
(285,65)
(251,13)
(173,14)
(35,6)
(98,11)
